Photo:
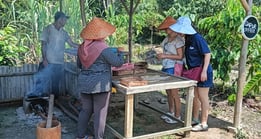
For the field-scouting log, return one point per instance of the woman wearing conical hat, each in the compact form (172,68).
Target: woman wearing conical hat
(94,80)
(172,64)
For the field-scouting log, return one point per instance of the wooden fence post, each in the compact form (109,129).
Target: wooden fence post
(242,70)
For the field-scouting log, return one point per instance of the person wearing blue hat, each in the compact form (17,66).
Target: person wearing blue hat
(197,54)
(53,39)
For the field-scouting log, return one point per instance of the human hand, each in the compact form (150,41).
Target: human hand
(120,49)
(45,63)
(160,56)
(203,76)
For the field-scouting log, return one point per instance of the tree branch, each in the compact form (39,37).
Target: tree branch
(125,6)
(245,5)
(137,3)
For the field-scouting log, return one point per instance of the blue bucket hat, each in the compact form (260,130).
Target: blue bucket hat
(183,25)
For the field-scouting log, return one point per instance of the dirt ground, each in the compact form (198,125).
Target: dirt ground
(14,124)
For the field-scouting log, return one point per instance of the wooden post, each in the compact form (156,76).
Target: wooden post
(242,70)
(50,112)
(188,112)
(128,123)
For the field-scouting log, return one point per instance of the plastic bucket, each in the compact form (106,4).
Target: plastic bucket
(48,133)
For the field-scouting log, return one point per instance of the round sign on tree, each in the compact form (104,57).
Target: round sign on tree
(250,27)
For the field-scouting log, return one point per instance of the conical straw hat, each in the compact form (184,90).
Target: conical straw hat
(97,28)
(166,23)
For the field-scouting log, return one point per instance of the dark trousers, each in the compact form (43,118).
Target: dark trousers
(96,104)
(47,78)
(57,73)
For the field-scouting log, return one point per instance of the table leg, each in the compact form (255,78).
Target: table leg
(136,102)
(189,106)
(128,124)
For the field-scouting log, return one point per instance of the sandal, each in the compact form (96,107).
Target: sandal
(199,127)
(195,122)
(170,121)
(165,116)
(162,101)
(146,101)
(86,137)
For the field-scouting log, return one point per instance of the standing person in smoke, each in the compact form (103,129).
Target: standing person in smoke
(53,39)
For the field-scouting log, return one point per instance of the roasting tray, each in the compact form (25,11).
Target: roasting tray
(133,81)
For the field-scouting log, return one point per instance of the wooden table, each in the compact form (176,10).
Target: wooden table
(156,81)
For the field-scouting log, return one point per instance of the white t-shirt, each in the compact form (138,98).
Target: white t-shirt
(55,40)
(171,48)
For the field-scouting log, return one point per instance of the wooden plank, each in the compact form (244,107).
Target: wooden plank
(189,106)
(161,112)
(133,81)
(163,133)
(75,118)
(128,123)
(17,74)
(156,81)
(242,70)
(154,87)
(151,135)
(15,82)
(114,132)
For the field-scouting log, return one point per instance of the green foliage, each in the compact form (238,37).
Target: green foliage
(240,134)
(10,52)
(121,23)
(146,20)
(253,85)
(145,17)
(196,9)
(253,61)
(232,99)
(226,47)
(218,21)
(25,16)
(74,23)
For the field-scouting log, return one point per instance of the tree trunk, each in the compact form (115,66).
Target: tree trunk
(130,11)
(130,31)
(61,5)
(82,9)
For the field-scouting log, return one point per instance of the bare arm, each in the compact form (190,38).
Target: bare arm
(43,49)
(205,67)
(178,56)
(72,44)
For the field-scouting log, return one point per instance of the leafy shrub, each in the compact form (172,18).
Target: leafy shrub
(11,53)
(223,34)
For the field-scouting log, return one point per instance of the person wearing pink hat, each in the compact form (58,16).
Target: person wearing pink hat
(197,54)
(171,62)
(95,60)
